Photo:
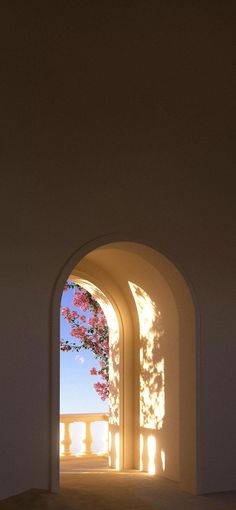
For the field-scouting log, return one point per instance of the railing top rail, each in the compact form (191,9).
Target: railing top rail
(83,417)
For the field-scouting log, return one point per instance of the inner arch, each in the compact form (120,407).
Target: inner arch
(171,449)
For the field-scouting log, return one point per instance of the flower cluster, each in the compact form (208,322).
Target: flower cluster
(92,332)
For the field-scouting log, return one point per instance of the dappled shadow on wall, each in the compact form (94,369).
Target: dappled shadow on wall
(151,380)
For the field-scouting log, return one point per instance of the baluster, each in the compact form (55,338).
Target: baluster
(88,439)
(67,441)
(87,419)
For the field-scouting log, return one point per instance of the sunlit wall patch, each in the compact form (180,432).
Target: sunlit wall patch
(163,460)
(141,452)
(117,448)
(152,364)
(151,444)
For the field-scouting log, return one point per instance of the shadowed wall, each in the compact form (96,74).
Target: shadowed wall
(114,120)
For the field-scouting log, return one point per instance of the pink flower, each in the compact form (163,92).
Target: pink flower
(65,311)
(102,389)
(79,332)
(74,315)
(93,321)
(97,340)
(81,300)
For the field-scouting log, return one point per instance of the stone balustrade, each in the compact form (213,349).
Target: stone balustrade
(87,419)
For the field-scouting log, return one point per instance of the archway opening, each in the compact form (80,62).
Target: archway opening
(156,431)
(93,339)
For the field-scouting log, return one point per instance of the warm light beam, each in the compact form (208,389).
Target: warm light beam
(151,454)
(117,447)
(141,453)
(163,460)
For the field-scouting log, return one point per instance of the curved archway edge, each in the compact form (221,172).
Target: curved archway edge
(189,479)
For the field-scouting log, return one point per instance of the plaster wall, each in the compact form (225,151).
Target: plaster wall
(114,125)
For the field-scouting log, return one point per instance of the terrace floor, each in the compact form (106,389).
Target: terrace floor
(90,485)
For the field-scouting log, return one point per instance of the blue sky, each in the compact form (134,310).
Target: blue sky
(77,394)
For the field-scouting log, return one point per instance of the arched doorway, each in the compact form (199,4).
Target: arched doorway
(157,370)
(88,291)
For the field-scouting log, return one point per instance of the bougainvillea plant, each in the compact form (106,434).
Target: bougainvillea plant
(89,328)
